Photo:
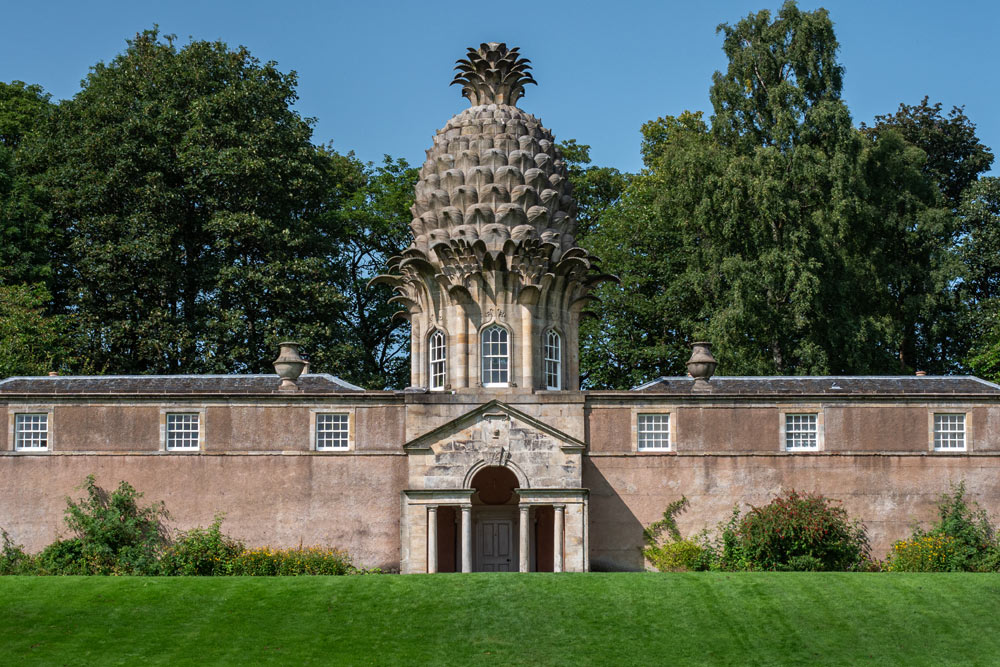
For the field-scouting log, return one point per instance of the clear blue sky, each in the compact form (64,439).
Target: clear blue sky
(375,74)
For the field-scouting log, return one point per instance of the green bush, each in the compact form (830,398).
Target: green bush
(673,554)
(62,557)
(676,556)
(962,540)
(13,558)
(116,534)
(796,531)
(201,551)
(267,562)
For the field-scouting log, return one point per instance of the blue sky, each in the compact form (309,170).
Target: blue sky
(375,75)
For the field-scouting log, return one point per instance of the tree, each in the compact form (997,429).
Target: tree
(980,254)
(23,256)
(954,155)
(918,165)
(376,227)
(195,222)
(596,189)
(748,232)
(31,342)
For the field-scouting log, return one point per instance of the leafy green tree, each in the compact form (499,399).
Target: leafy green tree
(918,164)
(376,227)
(596,189)
(955,157)
(31,342)
(980,254)
(23,234)
(749,232)
(195,222)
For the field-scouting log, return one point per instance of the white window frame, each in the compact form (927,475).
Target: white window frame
(314,421)
(665,423)
(504,357)
(182,410)
(937,418)
(817,422)
(183,419)
(437,364)
(338,426)
(15,431)
(552,360)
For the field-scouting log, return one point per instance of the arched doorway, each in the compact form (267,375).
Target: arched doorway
(495,516)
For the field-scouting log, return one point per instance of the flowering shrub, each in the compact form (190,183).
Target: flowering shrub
(795,532)
(925,553)
(267,562)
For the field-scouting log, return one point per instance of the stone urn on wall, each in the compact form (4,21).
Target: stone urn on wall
(288,366)
(701,365)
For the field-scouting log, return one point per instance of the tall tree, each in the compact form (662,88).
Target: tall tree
(955,157)
(918,164)
(23,234)
(980,254)
(195,217)
(596,189)
(376,227)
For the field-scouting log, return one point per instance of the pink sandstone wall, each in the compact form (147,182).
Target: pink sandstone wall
(346,501)
(888,492)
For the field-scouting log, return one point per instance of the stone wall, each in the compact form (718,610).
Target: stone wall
(888,492)
(280,500)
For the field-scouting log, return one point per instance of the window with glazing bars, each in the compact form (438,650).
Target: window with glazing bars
(438,360)
(949,431)
(654,432)
(31,431)
(495,356)
(553,360)
(183,429)
(801,431)
(332,431)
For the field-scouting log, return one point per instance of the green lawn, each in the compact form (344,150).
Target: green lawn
(535,619)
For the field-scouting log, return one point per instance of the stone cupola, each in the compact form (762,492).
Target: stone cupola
(493,282)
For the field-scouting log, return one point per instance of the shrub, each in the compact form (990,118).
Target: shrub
(673,554)
(925,553)
(62,557)
(798,530)
(676,556)
(116,534)
(201,551)
(13,558)
(267,562)
(962,539)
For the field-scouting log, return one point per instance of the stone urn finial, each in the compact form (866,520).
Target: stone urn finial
(288,366)
(701,365)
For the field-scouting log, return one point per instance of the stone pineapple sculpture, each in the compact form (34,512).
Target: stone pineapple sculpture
(493,226)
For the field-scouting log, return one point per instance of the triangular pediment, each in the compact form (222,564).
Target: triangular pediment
(498,408)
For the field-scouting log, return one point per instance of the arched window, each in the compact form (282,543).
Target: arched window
(553,360)
(438,360)
(496,353)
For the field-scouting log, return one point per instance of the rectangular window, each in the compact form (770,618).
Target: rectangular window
(183,431)
(332,431)
(801,432)
(31,432)
(654,433)
(949,432)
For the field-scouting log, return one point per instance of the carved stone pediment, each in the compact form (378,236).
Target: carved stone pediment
(494,434)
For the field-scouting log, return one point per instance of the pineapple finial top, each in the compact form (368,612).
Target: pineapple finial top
(493,74)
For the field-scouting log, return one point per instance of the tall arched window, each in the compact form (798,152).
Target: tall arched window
(495,353)
(553,360)
(438,360)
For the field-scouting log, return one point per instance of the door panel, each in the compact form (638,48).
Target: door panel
(493,542)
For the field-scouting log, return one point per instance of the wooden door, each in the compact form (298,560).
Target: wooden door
(494,545)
